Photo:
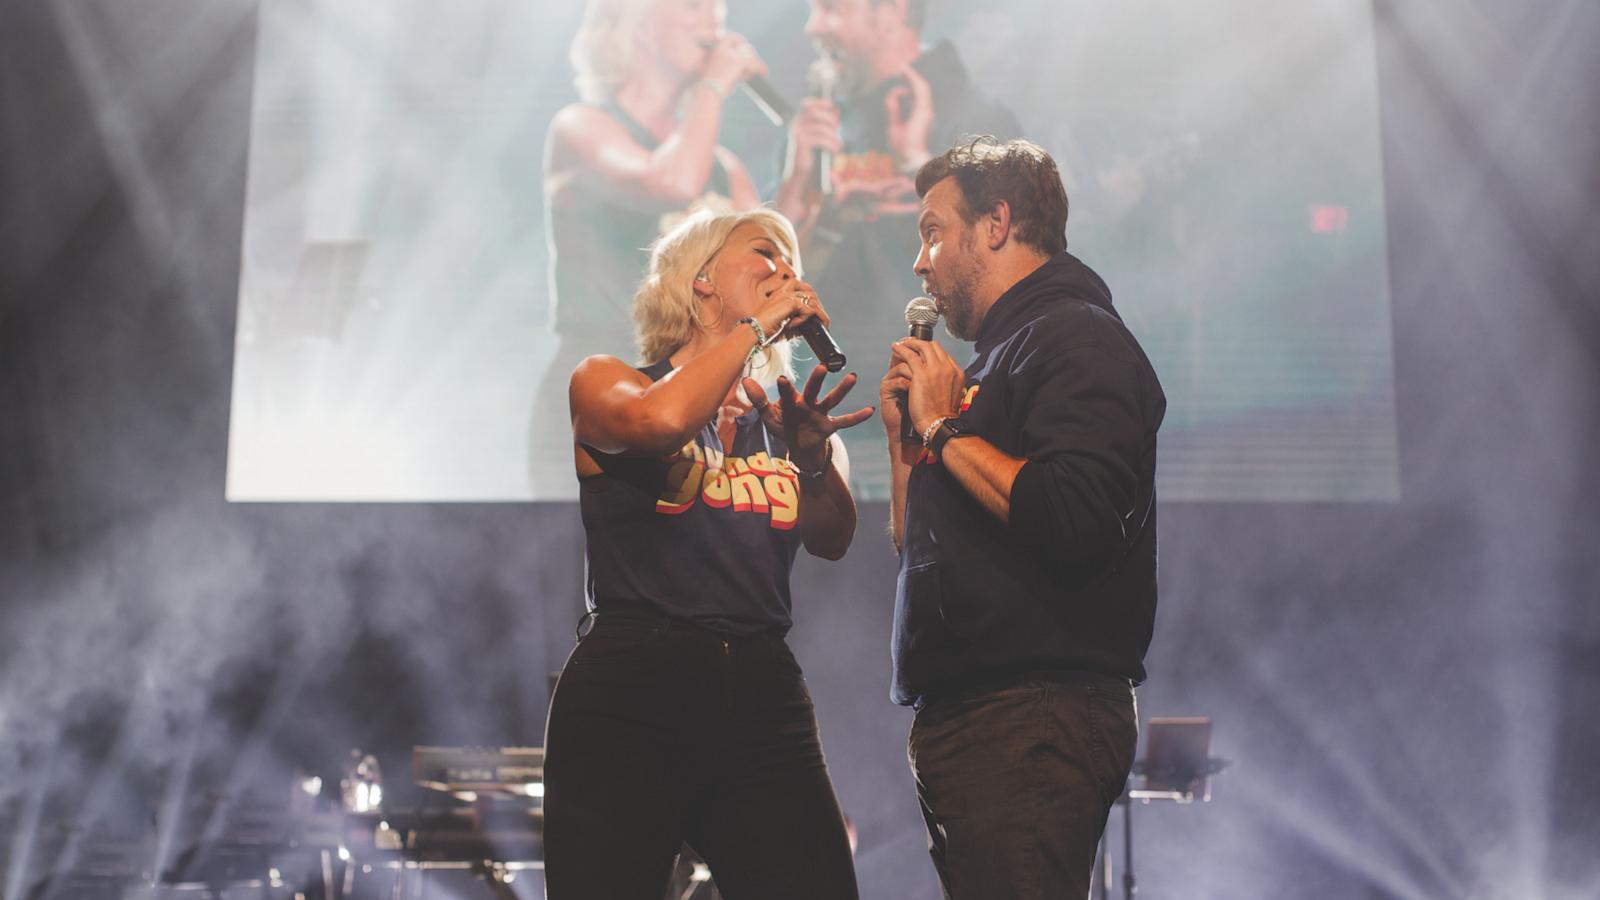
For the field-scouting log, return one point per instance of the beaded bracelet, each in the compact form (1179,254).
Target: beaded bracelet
(755,326)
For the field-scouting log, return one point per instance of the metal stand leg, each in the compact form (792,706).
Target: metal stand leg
(1129,885)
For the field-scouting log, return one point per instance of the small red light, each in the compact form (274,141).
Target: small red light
(1329,219)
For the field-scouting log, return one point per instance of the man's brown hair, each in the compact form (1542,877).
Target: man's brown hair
(1018,172)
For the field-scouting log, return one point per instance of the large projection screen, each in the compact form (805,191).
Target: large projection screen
(395,316)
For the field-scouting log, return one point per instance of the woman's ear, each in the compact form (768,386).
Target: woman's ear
(703,286)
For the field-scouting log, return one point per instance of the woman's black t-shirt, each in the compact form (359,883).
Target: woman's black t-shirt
(707,534)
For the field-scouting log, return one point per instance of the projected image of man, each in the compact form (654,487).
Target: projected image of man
(1025,519)
(895,99)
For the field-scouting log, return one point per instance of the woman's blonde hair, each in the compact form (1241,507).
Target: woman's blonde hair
(602,53)
(604,50)
(665,309)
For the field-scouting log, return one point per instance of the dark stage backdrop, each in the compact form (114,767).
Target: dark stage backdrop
(1406,690)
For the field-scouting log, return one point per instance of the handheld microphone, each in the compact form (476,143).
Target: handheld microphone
(821,344)
(921,313)
(823,76)
(767,99)
(761,92)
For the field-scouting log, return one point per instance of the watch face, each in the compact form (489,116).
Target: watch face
(949,430)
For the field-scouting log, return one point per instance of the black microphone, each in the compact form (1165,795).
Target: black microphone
(823,76)
(762,94)
(921,313)
(821,343)
(767,99)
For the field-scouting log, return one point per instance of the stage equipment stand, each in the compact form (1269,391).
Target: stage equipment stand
(1177,767)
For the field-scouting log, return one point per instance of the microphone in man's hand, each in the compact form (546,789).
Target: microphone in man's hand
(921,314)
(823,76)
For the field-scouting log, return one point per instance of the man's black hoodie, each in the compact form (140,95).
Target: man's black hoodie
(1069,581)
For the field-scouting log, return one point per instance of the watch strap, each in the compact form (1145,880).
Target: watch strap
(952,427)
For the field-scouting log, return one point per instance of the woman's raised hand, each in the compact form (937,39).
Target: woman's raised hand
(786,306)
(802,418)
(732,60)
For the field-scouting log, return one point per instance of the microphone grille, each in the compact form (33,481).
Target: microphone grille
(922,311)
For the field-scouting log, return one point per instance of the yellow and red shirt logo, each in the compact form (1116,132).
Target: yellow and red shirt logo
(758,483)
(967,396)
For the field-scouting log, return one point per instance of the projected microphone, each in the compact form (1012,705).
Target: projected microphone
(921,313)
(823,76)
(762,94)
(767,99)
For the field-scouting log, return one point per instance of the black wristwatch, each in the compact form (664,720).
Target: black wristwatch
(950,428)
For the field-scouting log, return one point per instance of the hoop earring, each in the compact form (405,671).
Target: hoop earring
(721,309)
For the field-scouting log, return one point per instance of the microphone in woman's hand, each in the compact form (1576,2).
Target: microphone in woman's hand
(821,343)
(767,99)
(762,94)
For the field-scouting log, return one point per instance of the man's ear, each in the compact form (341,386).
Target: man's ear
(997,225)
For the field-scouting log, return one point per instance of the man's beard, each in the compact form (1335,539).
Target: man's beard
(955,296)
(958,314)
(854,72)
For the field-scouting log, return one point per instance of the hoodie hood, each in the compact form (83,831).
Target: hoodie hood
(1061,279)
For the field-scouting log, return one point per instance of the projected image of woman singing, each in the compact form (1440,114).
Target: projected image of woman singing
(681,715)
(636,153)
